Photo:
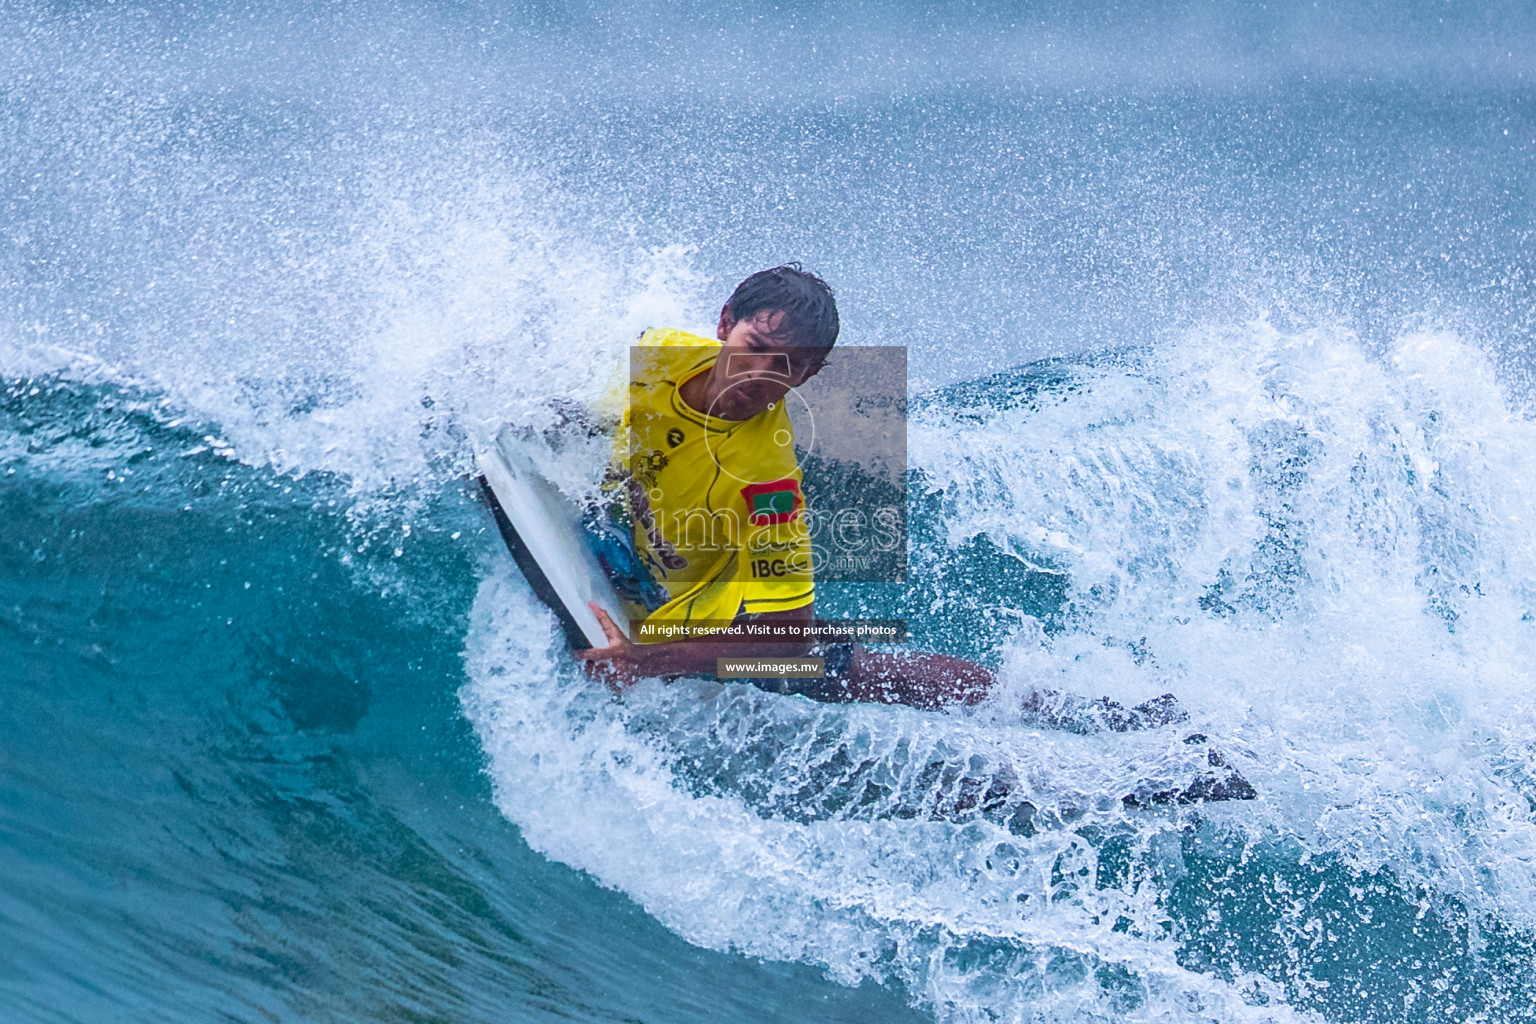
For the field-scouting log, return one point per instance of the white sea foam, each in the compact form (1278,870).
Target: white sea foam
(1320,551)
(466,312)
(595,785)
(1325,553)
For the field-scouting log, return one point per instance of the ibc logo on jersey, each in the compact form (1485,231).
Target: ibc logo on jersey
(773,568)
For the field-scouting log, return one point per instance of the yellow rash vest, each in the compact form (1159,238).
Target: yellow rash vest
(715,505)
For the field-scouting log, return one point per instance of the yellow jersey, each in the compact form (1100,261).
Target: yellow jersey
(715,505)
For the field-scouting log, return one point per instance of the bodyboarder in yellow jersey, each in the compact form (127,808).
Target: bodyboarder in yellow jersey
(717,515)
(716,505)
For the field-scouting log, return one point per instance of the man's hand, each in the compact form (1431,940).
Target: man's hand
(618,664)
(623,663)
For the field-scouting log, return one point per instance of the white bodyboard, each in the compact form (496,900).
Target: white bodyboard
(543,528)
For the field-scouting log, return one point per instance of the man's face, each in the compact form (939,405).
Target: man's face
(758,364)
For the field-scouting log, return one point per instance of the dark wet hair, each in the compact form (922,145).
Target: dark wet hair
(809,308)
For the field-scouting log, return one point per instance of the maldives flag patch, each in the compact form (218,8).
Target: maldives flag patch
(772,503)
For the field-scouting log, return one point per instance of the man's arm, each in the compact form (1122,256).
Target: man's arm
(917,679)
(623,661)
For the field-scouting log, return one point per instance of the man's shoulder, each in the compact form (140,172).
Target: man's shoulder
(665,337)
(669,354)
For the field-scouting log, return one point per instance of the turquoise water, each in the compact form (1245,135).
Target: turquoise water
(1219,327)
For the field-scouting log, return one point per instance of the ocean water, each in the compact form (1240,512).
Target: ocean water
(1219,321)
